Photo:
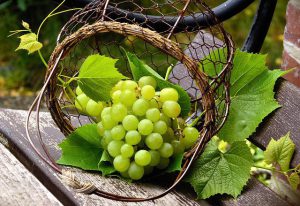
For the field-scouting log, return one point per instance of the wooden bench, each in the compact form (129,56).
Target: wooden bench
(44,186)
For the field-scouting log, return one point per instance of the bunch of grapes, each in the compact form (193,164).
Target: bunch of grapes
(141,128)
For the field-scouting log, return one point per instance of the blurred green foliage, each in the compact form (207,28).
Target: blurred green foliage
(17,70)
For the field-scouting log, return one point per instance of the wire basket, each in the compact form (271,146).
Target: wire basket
(185,34)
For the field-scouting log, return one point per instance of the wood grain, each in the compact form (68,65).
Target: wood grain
(18,186)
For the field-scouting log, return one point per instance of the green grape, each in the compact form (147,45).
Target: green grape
(129,84)
(142,157)
(78,91)
(140,107)
(168,94)
(166,119)
(171,109)
(119,85)
(148,92)
(191,135)
(100,129)
(108,122)
(127,150)
(93,108)
(121,163)
(145,127)
(118,132)
(153,103)
(107,137)
(116,96)
(163,164)
(118,112)
(125,174)
(155,157)
(114,147)
(160,127)
(133,137)
(166,150)
(169,135)
(135,171)
(130,122)
(153,114)
(178,146)
(81,102)
(147,80)
(154,141)
(105,111)
(148,170)
(128,97)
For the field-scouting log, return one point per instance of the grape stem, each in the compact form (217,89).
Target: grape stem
(196,120)
(169,70)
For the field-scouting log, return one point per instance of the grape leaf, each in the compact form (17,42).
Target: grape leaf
(215,172)
(294,180)
(105,164)
(97,76)
(140,69)
(280,152)
(175,163)
(251,91)
(82,149)
(29,42)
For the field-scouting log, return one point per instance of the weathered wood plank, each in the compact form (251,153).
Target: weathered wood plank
(18,186)
(13,128)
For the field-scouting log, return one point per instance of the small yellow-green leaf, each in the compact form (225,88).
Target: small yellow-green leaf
(294,180)
(29,42)
(25,25)
(280,152)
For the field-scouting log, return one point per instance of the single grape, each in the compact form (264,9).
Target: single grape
(118,112)
(154,103)
(169,135)
(118,132)
(81,102)
(121,163)
(114,147)
(163,164)
(135,171)
(128,97)
(129,84)
(133,137)
(154,141)
(127,150)
(155,157)
(140,107)
(116,96)
(145,127)
(168,94)
(78,91)
(178,146)
(166,150)
(108,122)
(171,109)
(166,119)
(105,111)
(107,137)
(160,127)
(130,122)
(153,114)
(148,92)
(148,170)
(147,80)
(119,85)
(142,157)
(191,135)
(100,129)
(93,108)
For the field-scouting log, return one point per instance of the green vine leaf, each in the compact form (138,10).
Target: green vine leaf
(97,76)
(280,152)
(82,149)
(140,69)
(251,91)
(294,180)
(215,172)
(29,42)
(175,163)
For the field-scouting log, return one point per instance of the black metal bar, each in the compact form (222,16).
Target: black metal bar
(260,26)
